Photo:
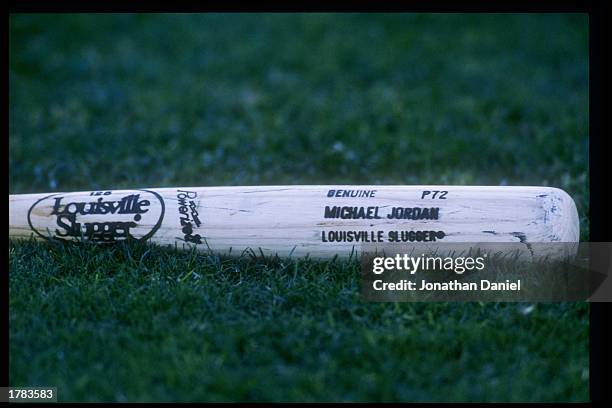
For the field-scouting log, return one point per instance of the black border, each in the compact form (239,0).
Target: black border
(598,143)
(80,6)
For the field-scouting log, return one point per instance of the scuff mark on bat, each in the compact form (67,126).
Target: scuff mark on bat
(233,210)
(521,236)
(267,191)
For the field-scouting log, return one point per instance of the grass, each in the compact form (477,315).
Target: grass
(105,102)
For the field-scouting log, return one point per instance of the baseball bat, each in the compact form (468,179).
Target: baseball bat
(320,221)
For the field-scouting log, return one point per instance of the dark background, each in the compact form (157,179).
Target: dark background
(129,101)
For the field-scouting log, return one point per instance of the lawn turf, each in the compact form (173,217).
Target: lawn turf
(128,101)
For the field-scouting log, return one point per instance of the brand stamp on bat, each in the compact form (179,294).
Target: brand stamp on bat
(189,217)
(99,216)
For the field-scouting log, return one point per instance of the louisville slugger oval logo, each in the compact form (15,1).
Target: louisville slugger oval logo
(98,216)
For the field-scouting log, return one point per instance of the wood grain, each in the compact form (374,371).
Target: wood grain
(291,220)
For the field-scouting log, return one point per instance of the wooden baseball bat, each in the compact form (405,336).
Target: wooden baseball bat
(321,221)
